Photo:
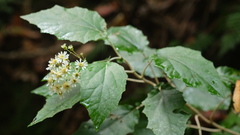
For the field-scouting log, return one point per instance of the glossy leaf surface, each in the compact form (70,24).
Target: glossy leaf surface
(190,67)
(74,24)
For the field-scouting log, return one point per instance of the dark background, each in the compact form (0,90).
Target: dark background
(210,26)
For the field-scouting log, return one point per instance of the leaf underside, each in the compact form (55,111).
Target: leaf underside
(120,122)
(56,103)
(127,38)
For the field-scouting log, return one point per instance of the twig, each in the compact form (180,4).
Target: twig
(211,122)
(145,68)
(212,114)
(115,58)
(169,81)
(131,68)
(135,80)
(198,124)
(155,77)
(129,71)
(204,128)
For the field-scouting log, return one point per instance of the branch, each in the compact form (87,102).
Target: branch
(211,122)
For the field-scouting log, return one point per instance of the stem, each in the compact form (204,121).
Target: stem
(115,58)
(198,125)
(211,122)
(131,68)
(169,81)
(145,68)
(155,77)
(204,128)
(212,114)
(135,80)
(129,71)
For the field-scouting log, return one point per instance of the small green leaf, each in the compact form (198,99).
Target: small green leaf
(120,122)
(102,85)
(201,99)
(228,75)
(42,91)
(74,24)
(56,103)
(127,38)
(159,109)
(139,60)
(190,67)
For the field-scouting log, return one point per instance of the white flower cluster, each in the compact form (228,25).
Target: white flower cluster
(63,76)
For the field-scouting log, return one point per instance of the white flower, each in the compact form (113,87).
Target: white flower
(81,64)
(52,64)
(62,57)
(73,82)
(66,86)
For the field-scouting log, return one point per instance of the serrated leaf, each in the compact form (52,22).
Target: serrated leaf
(102,85)
(202,99)
(120,122)
(190,67)
(56,103)
(159,109)
(42,91)
(74,24)
(127,38)
(228,75)
(139,60)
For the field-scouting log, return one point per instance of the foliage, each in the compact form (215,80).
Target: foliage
(186,77)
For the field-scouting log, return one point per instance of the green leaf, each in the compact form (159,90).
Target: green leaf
(139,60)
(159,109)
(201,99)
(228,75)
(120,122)
(141,128)
(42,91)
(74,24)
(190,67)
(102,85)
(127,38)
(56,103)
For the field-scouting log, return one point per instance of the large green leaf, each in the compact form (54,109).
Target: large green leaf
(127,38)
(102,85)
(120,122)
(190,67)
(139,60)
(159,109)
(74,24)
(202,99)
(56,103)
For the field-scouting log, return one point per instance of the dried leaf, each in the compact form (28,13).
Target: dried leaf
(236,97)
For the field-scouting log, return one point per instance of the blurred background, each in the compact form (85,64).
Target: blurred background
(210,26)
